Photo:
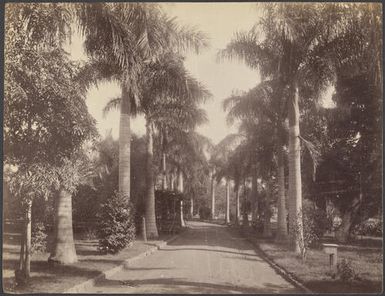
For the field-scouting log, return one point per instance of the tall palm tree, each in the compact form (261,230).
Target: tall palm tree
(122,38)
(295,37)
(262,105)
(220,159)
(169,98)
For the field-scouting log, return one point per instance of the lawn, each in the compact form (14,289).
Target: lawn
(57,279)
(315,274)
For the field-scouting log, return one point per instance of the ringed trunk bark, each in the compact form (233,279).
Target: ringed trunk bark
(63,251)
(124,144)
(180,188)
(151,229)
(227,201)
(281,223)
(295,182)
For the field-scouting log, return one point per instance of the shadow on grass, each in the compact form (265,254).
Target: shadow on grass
(185,286)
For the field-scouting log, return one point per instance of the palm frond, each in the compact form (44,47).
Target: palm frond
(113,104)
(314,153)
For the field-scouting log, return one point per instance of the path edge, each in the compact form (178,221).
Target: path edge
(279,269)
(80,288)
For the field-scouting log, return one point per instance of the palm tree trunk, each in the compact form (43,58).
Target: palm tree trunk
(227,201)
(295,183)
(245,219)
(28,234)
(281,223)
(63,250)
(180,188)
(124,144)
(236,189)
(254,186)
(172,180)
(191,207)
(267,213)
(213,194)
(152,230)
(164,176)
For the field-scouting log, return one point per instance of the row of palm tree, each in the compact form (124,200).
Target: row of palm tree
(298,50)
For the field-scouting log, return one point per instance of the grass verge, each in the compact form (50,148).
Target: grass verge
(48,279)
(315,273)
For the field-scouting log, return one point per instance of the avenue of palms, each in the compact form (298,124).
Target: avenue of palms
(291,171)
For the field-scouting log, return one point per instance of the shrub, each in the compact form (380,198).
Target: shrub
(39,238)
(370,227)
(318,219)
(204,213)
(345,271)
(116,228)
(315,223)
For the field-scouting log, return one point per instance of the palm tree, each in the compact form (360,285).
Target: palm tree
(295,37)
(122,38)
(186,155)
(220,159)
(169,97)
(262,105)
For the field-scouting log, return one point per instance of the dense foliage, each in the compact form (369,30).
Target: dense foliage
(116,228)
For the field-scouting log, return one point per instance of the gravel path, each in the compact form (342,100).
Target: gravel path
(207,258)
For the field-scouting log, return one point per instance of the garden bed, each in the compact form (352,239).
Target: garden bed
(315,273)
(57,279)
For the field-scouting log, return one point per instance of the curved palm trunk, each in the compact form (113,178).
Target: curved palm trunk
(124,144)
(236,189)
(63,250)
(180,188)
(227,201)
(164,175)
(152,230)
(295,183)
(213,194)
(281,223)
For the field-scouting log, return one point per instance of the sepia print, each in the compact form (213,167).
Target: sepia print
(192,148)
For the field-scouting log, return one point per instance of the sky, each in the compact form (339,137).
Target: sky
(219,21)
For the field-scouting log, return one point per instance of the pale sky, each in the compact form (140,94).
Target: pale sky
(219,21)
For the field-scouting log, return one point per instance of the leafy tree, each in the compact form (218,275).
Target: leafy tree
(44,108)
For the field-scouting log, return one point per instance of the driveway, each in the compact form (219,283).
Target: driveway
(207,258)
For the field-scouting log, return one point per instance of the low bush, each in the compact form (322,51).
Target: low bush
(345,271)
(116,228)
